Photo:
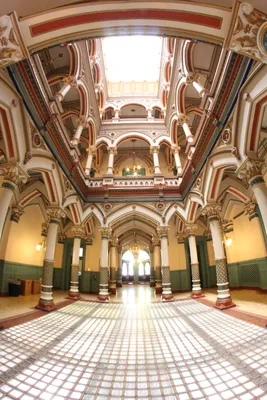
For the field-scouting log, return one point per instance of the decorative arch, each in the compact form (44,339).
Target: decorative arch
(133,135)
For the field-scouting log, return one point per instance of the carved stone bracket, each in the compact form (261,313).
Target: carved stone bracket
(251,210)
(252,169)
(16,213)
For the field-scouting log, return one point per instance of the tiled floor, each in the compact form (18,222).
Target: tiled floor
(181,350)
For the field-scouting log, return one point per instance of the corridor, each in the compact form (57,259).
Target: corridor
(180,350)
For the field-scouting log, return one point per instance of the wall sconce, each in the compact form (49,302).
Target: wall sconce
(40,245)
(228,241)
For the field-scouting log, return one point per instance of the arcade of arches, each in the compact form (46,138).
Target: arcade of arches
(158,179)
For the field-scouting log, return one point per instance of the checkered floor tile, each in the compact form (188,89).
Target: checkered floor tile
(181,350)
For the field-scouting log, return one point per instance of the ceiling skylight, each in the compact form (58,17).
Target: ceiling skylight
(132,58)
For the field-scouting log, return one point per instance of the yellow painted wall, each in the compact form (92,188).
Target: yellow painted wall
(59,255)
(210,252)
(92,258)
(177,258)
(24,236)
(248,241)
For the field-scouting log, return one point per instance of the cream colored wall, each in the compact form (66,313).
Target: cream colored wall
(92,258)
(248,241)
(177,257)
(59,255)
(24,236)
(210,252)
(132,161)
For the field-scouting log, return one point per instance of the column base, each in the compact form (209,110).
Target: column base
(104,299)
(196,295)
(167,297)
(48,307)
(74,296)
(113,290)
(152,284)
(119,284)
(158,290)
(223,304)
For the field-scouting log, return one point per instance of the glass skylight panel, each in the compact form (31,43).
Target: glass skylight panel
(132,58)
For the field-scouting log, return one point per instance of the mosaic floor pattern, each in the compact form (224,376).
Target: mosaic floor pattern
(181,350)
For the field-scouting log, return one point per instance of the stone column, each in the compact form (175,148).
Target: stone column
(165,266)
(119,272)
(175,150)
(88,166)
(81,125)
(79,232)
(157,264)
(103,291)
(253,172)
(113,264)
(154,150)
(111,153)
(183,120)
(13,176)
(46,302)
(68,83)
(224,299)
(195,81)
(196,285)
(127,269)
(152,274)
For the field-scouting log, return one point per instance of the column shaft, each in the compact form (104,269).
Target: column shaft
(119,272)
(152,273)
(103,291)
(157,266)
(113,265)
(88,163)
(165,269)
(260,191)
(196,286)
(46,298)
(6,195)
(223,297)
(74,282)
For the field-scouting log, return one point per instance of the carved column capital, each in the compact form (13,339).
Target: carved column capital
(180,238)
(251,210)
(112,150)
(55,214)
(154,149)
(252,170)
(13,174)
(191,77)
(212,211)
(71,80)
(78,230)
(119,249)
(105,232)
(155,241)
(16,213)
(182,119)
(91,150)
(163,231)
(190,229)
(113,241)
(176,149)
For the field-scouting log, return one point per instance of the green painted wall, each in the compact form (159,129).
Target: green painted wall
(180,280)
(11,270)
(250,273)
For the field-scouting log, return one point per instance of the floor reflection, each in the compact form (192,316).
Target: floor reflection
(136,294)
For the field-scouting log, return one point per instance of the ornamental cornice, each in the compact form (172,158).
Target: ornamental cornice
(55,213)
(212,210)
(13,173)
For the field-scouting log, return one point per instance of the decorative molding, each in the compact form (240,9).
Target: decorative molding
(190,229)
(163,230)
(249,36)
(105,232)
(12,48)
(212,210)
(55,213)
(78,230)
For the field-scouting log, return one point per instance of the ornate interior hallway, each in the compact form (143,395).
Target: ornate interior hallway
(89,350)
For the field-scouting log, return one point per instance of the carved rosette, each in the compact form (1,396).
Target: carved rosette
(16,213)
(79,231)
(163,231)
(212,211)
(13,175)
(249,31)
(55,214)
(105,232)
